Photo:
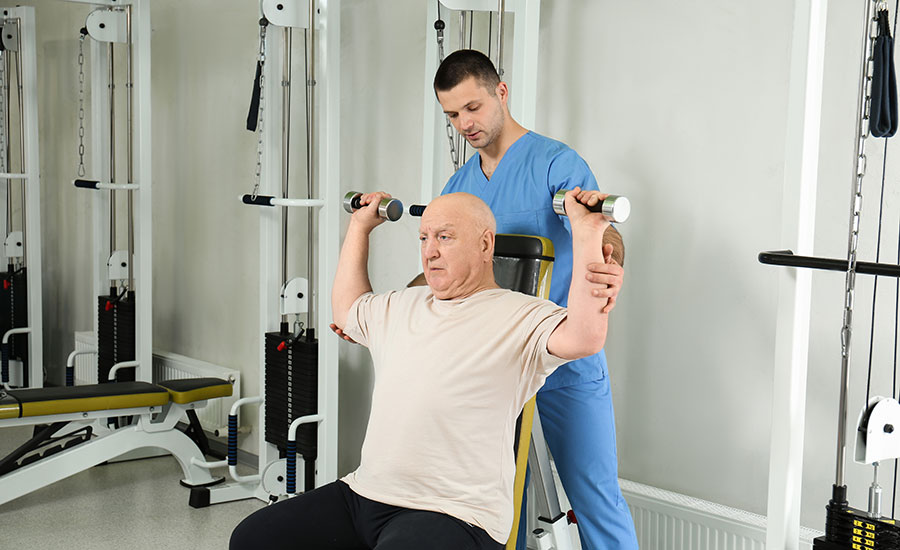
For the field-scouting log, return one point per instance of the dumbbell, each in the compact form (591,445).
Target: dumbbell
(389,209)
(614,207)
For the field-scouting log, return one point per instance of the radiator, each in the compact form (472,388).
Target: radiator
(85,365)
(670,521)
(168,366)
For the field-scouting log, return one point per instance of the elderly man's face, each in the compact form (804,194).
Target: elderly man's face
(453,258)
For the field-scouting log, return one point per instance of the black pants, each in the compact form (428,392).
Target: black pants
(334,517)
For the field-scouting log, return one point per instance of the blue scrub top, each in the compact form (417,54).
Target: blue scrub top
(520,193)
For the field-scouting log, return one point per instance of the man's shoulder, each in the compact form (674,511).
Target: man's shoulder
(547,145)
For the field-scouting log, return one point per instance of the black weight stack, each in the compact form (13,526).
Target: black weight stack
(292,385)
(14,313)
(115,343)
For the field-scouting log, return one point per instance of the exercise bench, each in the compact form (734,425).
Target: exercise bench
(73,435)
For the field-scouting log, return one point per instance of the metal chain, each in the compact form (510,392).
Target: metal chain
(259,122)
(451,134)
(81,170)
(861,165)
(864,110)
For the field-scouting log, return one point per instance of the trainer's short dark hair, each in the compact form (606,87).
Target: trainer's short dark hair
(463,64)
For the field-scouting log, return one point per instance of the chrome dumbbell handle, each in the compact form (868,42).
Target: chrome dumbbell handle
(389,209)
(615,208)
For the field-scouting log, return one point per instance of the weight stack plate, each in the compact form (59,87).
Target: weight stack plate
(852,529)
(115,343)
(292,384)
(14,313)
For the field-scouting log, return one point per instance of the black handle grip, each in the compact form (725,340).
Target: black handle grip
(4,363)
(260,200)
(232,439)
(416,209)
(291,468)
(86,184)
(788,259)
(253,114)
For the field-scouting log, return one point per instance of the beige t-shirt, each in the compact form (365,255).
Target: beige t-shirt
(451,377)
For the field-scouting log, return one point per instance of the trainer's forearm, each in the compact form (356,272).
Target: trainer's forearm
(613,237)
(352,277)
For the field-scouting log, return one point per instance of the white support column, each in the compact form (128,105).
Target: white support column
(32,215)
(794,285)
(143,198)
(329,125)
(435,157)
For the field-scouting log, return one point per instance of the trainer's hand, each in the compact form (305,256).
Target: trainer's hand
(339,332)
(608,277)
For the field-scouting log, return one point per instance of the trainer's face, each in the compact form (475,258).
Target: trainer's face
(475,112)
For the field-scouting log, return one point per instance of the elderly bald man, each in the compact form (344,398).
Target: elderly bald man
(455,362)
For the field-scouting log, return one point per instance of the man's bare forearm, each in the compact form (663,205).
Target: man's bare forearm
(352,277)
(583,332)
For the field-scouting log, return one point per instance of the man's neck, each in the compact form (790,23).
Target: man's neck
(493,153)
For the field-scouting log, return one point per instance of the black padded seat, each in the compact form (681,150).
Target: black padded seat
(526,247)
(521,262)
(75,399)
(189,390)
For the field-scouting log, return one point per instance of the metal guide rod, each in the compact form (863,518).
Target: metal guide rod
(460,140)
(501,7)
(111,88)
(310,161)
(862,132)
(7,153)
(285,151)
(129,139)
(21,103)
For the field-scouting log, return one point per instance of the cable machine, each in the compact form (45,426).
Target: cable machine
(21,364)
(119,33)
(297,371)
(846,527)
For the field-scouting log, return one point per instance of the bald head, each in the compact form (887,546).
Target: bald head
(457,234)
(466,207)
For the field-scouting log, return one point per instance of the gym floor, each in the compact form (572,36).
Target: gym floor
(136,505)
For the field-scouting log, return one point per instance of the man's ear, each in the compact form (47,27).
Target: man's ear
(502,91)
(487,244)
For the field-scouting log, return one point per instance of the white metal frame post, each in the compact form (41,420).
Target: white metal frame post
(328,100)
(794,285)
(31,172)
(114,31)
(522,79)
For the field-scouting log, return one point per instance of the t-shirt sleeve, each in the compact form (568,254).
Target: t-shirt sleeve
(366,318)
(541,317)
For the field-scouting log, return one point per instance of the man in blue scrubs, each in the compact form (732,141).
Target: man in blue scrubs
(517,172)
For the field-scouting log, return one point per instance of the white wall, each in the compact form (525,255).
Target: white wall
(681,106)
